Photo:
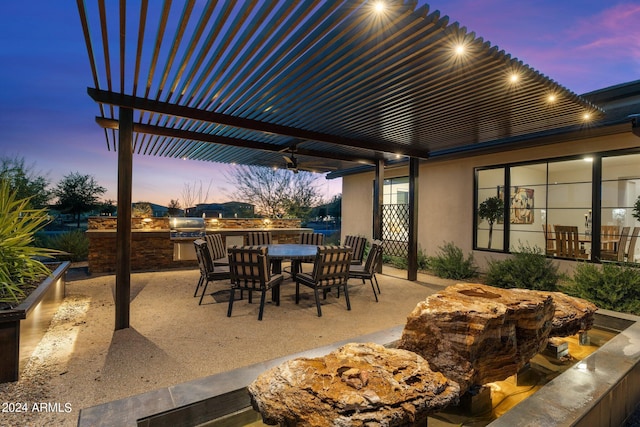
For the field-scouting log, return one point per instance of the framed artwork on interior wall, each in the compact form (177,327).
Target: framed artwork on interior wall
(520,205)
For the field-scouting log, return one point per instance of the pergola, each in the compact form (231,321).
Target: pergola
(340,84)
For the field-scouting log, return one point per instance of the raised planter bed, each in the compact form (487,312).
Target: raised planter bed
(22,327)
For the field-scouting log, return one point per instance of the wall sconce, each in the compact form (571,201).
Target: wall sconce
(266,223)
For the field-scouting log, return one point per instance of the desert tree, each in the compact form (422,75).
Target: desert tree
(193,193)
(275,193)
(78,194)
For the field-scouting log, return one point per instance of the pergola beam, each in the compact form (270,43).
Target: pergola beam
(235,142)
(175,110)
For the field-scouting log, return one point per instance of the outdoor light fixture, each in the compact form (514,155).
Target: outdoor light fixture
(551,98)
(635,124)
(379,6)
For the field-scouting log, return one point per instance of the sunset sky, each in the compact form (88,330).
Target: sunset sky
(47,117)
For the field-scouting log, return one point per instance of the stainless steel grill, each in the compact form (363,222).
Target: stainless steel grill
(186,228)
(183,231)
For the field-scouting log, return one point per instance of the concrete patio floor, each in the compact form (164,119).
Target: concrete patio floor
(83,362)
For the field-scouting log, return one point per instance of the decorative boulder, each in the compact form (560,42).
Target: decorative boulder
(475,334)
(572,315)
(356,385)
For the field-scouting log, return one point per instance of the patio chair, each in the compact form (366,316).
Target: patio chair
(217,248)
(208,271)
(311,239)
(357,245)
(368,270)
(256,238)
(568,242)
(308,239)
(249,266)
(621,249)
(330,270)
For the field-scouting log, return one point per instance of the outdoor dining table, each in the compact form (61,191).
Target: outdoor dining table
(297,253)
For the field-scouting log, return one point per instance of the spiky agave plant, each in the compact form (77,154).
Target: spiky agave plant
(19,264)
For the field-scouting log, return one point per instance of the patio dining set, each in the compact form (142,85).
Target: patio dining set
(257,266)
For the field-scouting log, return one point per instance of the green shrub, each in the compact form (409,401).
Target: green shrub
(450,263)
(402,263)
(609,286)
(19,266)
(395,261)
(528,268)
(75,243)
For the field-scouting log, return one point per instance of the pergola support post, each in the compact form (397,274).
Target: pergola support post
(378,188)
(123,233)
(412,249)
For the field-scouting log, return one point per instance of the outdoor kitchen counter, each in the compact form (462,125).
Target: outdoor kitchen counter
(153,249)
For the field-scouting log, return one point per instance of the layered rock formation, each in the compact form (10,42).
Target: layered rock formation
(356,385)
(475,334)
(572,315)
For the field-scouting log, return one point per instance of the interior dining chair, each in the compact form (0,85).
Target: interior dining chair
(249,267)
(621,248)
(367,271)
(208,271)
(631,252)
(609,235)
(568,242)
(550,239)
(330,270)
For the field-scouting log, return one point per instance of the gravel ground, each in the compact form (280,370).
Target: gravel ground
(82,362)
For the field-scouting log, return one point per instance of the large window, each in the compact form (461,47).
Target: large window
(545,197)
(620,190)
(396,191)
(490,231)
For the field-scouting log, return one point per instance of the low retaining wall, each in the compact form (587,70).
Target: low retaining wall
(22,327)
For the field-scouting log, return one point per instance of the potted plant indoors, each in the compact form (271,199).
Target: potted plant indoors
(491,210)
(25,282)
(636,209)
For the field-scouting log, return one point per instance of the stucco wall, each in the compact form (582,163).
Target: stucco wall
(446,193)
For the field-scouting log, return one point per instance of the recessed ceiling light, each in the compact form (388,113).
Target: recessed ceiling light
(459,49)
(379,6)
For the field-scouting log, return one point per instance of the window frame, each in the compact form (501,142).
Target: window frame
(596,194)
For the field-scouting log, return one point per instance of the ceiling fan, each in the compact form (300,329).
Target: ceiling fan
(292,163)
(290,160)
